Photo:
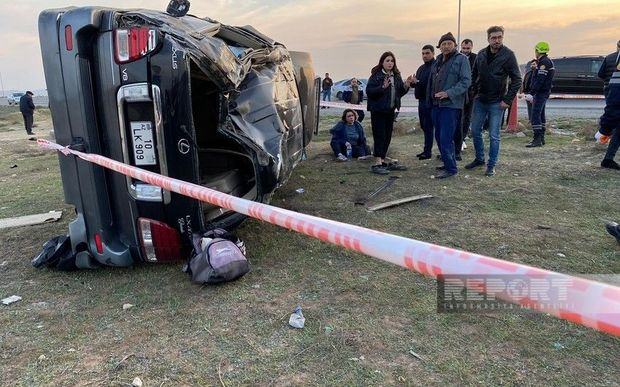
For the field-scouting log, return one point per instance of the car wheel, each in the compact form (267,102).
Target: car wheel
(339,95)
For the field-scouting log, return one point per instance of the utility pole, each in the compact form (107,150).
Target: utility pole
(1,85)
(458,34)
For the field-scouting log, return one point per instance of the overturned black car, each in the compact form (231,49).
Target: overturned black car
(191,98)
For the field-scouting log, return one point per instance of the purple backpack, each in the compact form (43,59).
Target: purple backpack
(218,257)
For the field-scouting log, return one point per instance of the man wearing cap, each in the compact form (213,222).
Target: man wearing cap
(540,88)
(26,106)
(448,83)
(610,64)
(497,80)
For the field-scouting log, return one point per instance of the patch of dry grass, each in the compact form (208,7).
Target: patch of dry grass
(363,316)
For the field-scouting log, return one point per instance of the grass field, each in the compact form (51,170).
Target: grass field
(545,207)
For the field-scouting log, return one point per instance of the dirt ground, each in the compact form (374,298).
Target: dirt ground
(367,322)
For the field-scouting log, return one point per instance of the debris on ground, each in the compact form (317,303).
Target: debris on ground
(416,355)
(297,319)
(300,190)
(380,189)
(127,306)
(137,382)
(30,220)
(11,300)
(398,202)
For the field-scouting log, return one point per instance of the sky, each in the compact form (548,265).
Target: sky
(347,37)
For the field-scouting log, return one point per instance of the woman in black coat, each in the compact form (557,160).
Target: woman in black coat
(384,91)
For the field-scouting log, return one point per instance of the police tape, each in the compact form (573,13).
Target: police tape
(576,96)
(344,105)
(589,303)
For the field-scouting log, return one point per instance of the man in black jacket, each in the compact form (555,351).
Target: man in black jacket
(26,106)
(420,81)
(609,65)
(496,80)
(462,128)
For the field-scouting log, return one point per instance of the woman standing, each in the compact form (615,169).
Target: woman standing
(384,91)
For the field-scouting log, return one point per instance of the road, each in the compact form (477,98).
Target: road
(556,108)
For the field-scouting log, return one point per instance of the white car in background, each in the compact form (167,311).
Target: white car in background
(343,85)
(14,98)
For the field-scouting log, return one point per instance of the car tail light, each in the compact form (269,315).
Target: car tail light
(134,43)
(159,241)
(69,38)
(99,243)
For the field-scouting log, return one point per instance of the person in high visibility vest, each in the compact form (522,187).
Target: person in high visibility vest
(540,89)
(609,131)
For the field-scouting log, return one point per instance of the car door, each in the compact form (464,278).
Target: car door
(570,75)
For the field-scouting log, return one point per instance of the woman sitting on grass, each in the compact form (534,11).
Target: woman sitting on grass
(349,130)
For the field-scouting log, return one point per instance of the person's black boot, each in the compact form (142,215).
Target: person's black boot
(537,141)
(609,163)
(614,230)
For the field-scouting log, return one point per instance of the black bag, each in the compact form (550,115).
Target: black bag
(218,257)
(56,254)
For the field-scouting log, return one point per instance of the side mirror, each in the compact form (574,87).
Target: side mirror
(178,8)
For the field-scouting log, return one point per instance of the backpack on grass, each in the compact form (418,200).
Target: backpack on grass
(218,257)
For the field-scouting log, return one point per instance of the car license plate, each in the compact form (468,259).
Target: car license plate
(143,144)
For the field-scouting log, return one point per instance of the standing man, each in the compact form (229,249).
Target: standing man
(355,96)
(420,82)
(540,88)
(609,65)
(26,106)
(462,128)
(497,79)
(326,85)
(450,78)
(610,122)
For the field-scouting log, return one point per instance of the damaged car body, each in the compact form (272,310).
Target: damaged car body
(221,106)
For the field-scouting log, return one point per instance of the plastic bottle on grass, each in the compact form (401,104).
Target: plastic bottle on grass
(349,150)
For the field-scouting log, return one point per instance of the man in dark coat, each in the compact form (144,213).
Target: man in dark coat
(609,65)
(462,128)
(26,106)
(425,107)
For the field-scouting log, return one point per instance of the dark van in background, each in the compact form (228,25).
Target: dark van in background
(577,75)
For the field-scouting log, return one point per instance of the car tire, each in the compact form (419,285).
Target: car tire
(339,95)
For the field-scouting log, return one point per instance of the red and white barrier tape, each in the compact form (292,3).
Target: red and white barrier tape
(589,303)
(576,96)
(344,105)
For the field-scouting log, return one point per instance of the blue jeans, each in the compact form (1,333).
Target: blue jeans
(445,120)
(327,95)
(494,112)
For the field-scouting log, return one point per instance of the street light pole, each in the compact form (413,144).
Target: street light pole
(458,34)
